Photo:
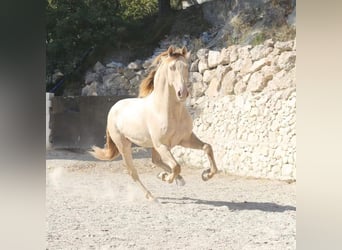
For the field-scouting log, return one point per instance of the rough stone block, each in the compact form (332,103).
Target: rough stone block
(213,58)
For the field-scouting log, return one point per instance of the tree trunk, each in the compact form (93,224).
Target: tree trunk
(164,7)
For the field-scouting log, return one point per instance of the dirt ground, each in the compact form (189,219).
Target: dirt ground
(93,204)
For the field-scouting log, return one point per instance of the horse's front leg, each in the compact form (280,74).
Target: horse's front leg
(193,142)
(156,159)
(168,159)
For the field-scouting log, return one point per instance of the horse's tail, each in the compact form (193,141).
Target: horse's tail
(109,152)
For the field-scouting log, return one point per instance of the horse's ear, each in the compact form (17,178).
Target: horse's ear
(170,50)
(184,51)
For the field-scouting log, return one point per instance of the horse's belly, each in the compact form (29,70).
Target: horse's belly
(142,142)
(135,131)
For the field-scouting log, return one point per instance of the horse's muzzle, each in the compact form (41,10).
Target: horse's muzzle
(182,94)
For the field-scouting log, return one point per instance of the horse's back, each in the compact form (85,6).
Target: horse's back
(125,105)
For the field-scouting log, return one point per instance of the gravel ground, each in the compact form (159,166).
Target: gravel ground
(95,205)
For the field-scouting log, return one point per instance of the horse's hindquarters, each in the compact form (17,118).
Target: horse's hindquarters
(127,118)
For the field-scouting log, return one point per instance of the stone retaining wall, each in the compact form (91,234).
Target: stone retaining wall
(251,134)
(243,101)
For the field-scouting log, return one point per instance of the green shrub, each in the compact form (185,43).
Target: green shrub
(138,9)
(75,26)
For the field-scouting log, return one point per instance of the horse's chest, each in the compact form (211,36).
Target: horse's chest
(173,133)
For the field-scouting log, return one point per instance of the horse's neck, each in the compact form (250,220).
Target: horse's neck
(165,100)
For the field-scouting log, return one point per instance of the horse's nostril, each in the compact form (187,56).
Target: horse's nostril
(179,93)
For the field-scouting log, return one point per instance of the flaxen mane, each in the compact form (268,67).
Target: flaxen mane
(146,85)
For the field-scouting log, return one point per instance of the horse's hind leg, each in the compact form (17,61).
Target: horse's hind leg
(124,147)
(193,142)
(127,157)
(156,159)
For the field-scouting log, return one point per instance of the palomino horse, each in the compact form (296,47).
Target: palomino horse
(157,120)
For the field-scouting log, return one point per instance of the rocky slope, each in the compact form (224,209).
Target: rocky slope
(232,22)
(232,70)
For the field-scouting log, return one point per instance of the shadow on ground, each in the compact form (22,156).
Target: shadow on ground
(233,206)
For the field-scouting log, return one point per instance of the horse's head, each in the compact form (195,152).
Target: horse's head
(178,71)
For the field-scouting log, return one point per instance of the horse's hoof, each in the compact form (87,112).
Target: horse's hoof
(150,197)
(180,181)
(205,175)
(162,176)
